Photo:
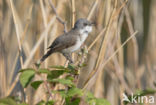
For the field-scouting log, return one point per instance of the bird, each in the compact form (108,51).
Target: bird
(70,41)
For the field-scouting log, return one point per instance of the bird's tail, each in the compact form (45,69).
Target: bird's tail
(46,55)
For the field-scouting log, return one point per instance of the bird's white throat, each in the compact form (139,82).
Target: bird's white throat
(84,33)
(86,29)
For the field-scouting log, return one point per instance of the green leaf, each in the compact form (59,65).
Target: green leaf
(46,71)
(74,91)
(90,95)
(26,76)
(36,84)
(70,93)
(58,67)
(90,98)
(70,77)
(61,92)
(51,102)
(41,103)
(63,81)
(82,65)
(72,101)
(145,92)
(71,67)
(23,104)
(101,101)
(55,74)
(22,70)
(7,101)
(97,101)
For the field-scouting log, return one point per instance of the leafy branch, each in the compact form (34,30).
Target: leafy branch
(72,95)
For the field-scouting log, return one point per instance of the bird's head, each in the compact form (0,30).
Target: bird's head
(83,25)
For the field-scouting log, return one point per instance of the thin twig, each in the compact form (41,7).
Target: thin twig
(17,33)
(22,39)
(50,93)
(131,30)
(18,53)
(45,26)
(57,16)
(73,13)
(105,40)
(73,21)
(92,10)
(97,38)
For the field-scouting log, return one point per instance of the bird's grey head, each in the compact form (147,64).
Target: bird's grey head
(83,25)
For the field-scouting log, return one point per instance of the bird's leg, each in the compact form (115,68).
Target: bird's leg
(68,57)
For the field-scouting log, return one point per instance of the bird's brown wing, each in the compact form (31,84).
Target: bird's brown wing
(60,43)
(63,42)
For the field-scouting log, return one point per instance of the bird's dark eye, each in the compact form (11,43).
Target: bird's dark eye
(85,24)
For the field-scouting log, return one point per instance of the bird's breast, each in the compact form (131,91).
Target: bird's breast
(80,40)
(83,37)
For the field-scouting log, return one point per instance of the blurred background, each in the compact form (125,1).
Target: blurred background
(28,27)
